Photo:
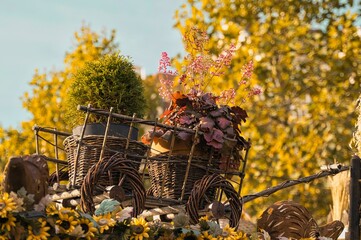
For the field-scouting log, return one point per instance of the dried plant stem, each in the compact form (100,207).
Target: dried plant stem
(339,186)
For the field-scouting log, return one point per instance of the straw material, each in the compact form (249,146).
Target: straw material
(167,174)
(129,182)
(90,150)
(202,192)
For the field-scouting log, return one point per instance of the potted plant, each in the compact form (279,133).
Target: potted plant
(110,81)
(216,116)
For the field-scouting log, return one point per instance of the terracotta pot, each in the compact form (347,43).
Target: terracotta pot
(180,147)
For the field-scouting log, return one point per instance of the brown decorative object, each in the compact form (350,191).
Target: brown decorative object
(168,173)
(90,150)
(30,172)
(291,220)
(202,193)
(129,181)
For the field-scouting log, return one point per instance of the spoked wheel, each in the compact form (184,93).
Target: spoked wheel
(128,187)
(203,195)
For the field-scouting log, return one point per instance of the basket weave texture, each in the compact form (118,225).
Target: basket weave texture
(89,154)
(171,171)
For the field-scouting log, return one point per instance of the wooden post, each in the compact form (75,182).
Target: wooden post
(355,196)
(77,153)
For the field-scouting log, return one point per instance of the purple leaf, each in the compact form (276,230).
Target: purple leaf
(223,122)
(206,124)
(184,136)
(215,144)
(221,111)
(216,113)
(230,132)
(185,119)
(209,99)
(208,136)
(218,135)
(239,113)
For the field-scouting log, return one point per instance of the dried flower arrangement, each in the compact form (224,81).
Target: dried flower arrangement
(192,106)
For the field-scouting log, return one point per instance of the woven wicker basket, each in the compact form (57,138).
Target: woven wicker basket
(89,154)
(172,171)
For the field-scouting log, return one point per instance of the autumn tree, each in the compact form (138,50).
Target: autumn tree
(48,91)
(307,61)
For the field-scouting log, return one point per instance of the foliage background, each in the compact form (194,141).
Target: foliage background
(306,57)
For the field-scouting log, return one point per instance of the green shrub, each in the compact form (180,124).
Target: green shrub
(108,82)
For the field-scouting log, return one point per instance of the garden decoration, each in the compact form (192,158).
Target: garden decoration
(28,172)
(213,182)
(110,82)
(289,219)
(218,144)
(106,198)
(89,154)
(110,220)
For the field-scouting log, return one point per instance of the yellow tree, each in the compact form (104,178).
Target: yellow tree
(306,58)
(45,100)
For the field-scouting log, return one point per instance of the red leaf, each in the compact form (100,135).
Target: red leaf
(166,113)
(179,99)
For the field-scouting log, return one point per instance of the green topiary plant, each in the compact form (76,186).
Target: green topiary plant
(108,82)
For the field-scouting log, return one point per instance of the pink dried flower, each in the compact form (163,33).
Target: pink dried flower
(200,65)
(166,81)
(242,82)
(164,63)
(248,70)
(255,91)
(225,59)
(227,96)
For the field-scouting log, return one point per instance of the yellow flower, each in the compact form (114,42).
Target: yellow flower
(204,218)
(4,237)
(241,236)
(69,212)
(88,228)
(139,228)
(228,233)
(7,222)
(51,209)
(206,236)
(38,233)
(7,204)
(105,221)
(66,223)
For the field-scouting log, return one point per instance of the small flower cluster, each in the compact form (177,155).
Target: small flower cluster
(48,221)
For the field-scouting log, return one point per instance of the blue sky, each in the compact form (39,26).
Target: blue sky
(36,34)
